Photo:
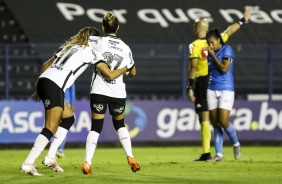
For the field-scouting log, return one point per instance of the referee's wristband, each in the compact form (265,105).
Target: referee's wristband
(190,84)
(242,21)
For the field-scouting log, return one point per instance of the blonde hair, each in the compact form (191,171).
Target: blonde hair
(81,38)
(110,22)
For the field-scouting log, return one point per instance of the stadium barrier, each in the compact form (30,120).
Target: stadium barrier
(147,121)
(161,70)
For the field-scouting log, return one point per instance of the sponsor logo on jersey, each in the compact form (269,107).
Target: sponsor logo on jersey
(47,103)
(94,54)
(113,45)
(57,67)
(130,57)
(98,107)
(119,110)
(95,40)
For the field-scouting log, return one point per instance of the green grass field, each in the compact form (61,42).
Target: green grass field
(164,165)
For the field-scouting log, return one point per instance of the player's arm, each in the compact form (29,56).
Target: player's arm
(221,66)
(236,26)
(192,68)
(131,73)
(110,74)
(47,64)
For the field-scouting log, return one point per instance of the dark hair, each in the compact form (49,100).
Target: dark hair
(215,33)
(85,32)
(94,32)
(110,22)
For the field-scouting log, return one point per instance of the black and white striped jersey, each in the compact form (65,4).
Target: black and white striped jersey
(117,55)
(68,66)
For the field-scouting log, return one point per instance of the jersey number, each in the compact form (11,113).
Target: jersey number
(113,61)
(60,61)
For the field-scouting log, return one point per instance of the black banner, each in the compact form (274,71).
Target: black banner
(148,21)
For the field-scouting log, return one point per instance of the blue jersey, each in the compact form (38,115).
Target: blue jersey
(70,94)
(218,80)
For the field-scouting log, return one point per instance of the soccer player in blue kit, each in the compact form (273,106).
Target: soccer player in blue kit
(70,98)
(220,94)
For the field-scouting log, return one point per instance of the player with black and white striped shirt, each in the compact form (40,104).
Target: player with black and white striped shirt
(57,75)
(111,93)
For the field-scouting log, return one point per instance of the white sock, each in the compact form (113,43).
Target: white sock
(91,144)
(39,144)
(219,154)
(125,140)
(237,144)
(58,138)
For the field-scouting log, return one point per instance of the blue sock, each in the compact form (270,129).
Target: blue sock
(62,146)
(231,134)
(218,140)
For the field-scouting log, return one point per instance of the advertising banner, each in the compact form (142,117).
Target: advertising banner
(147,21)
(22,121)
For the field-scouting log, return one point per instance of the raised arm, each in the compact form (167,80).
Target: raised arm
(236,26)
(110,74)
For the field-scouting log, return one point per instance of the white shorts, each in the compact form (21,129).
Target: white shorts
(220,99)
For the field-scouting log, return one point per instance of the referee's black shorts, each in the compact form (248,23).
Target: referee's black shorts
(201,87)
(98,104)
(50,93)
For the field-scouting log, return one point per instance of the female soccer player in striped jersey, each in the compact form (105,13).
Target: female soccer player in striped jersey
(220,93)
(57,75)
(110,92)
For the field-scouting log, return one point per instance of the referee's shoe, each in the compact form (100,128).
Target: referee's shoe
(203,157)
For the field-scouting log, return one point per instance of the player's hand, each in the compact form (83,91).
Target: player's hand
(191,96)
(248,13)
(211,50)
(35,97)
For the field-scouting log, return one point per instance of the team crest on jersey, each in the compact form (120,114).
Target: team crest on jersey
(47,103)
(204,52)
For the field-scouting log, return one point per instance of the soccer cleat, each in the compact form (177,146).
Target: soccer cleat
(52,164)
(60,154)
(29,169)
(133,164)
(203,157)
(86,168)
(237,152)
(216,158)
